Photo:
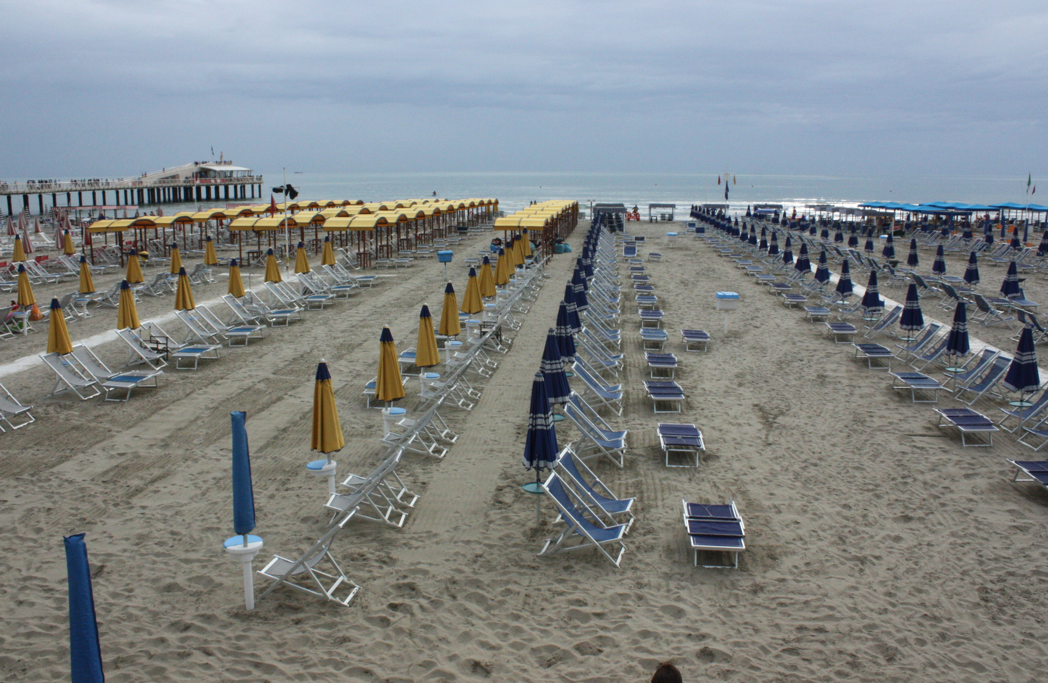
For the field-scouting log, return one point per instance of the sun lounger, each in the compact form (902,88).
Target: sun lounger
(647,301)
(817,313)
(690,337)
(715,528)
(847,331)
(915,381)
(681,438)
(966,421)
(870,352)
(305,574)
(653,340)
(650,319)
(140,351)
(1033,471)
(11,407)
(579,532)
(110,380)
(661,364)
(790,300)
(665,393)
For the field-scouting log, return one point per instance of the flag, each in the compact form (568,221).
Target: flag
(718,180)
(212,150)
(272,204)
(725,190)
(1029,179)
(734,180)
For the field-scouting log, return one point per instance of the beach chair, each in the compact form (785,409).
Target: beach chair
(650,319)
(600,501)
(653,340)
(379,497)
(11,407)
(665,393)
(230,332)
(160,286)
(681,438)
(915,382)
(201,275)
(70,376)
(1031,471)
(580,532)
(925,337)
(715,529)
(610,396)
(692,338)
(990,314)
(110,298)
(197,329)
(110,380)
(977,386)
(1036,408)
(317,285)
(140,351)
(885,321)
(315,572)
(273,315)
(596,442)
(817,313)
(965,375)
(967,421)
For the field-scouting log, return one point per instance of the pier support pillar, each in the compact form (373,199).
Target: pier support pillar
(25,202)
(40,201)
(9,211)
(94,198)
(103,197)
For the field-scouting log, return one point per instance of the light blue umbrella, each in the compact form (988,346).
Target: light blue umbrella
(871,300)
(85,651)
(565,337)
(957,342)
(912,318)
(1023,377)
(844,284)
(540,444)
(573,311)
(552,368)
(971,273)
(1010,286)
(939,265)
(803,263)
(243,494)
(913,260)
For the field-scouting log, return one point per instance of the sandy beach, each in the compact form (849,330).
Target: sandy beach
(878,549)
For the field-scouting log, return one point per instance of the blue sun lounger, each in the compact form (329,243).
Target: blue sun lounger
(816,313)
(967,421)
(665,393)
(1033,471)
(715,528)
(839,330)
(690,337)
(650,319)
(915,381)
(870,352)
(665,364)
(681,438)
(580,532)
(653,340)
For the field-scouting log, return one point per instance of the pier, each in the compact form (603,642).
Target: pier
(194,182)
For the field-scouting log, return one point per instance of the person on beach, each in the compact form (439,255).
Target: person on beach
(666,673)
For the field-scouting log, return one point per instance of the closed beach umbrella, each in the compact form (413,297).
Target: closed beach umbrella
(871,300)
(426,353)
(565,336)
(939,265)
(838,236)
(449,319)
(889,248)
(176,259)
(327,256)
(573,313)
(1042,248)
(57,333)
(971,273)
(87,283)
(301,260)
(525,243)
(822,272)
(85,652)
(788,243)
(812,230)
(844,284)
(210,257)
(988,239)
(787,256)
(236,283)
(869,248)
(1023,377)
(486,279)
(957,341)
(243,491)
(26,299)
(26,244)
(19,253)
(967,234)
(127,312)
(773,245)
(763,245)
(825,234)
(68,248)
(581,300)
(912,260)
(803,262)
(183,292)
(272,268)
(540,444)
(502,269)
(912,318)
(389,386)
(327,435)
(853,239)
(1010,285)
(552,369)
(134,271)
(752,238)
(471,302)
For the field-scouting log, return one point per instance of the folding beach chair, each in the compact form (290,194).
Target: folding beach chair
(965,375)
(610,396)
(681,438)
(11,407)
(141,352)
(885,321)
(380,497)
(990,314)
(715,529)
(70,376)
(1036,408)
(967,421)
(230,332)
(597,499)
(1033,471)
(580,532)
(596,441)
(977,386)
(306,575)
(926,336)
(112,381)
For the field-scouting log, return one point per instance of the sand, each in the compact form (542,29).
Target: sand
(878,548)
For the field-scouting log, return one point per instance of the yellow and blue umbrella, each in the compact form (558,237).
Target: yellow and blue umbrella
(67,244)
(426,353)
(127,312)
(236,284)
(87,283)
(471,302)
(486,279)
(301,261)
(389,386)
(502,269)
(327,256)
(327,430)
(210,257)
(272,268)
(526,242)
(57,333)
(19,253)
(25,289)
(134,271)
(183,292)
(176,259)
(449,318)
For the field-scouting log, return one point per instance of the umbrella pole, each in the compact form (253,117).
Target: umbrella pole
(538,500)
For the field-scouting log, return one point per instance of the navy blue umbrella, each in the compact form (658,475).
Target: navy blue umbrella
(753,238)
(844,284)
(743,236)
(869,248)
(957,341)
(912,260)
(85,652)
(587,262)
(764,232)
(763,246)
(787,256)
(939,265)
(822,272)
(838,236)
(825,234)
(803,263)
(552,369)
(1023,377)
(1010,286)
(540,444)
(573,311)
(1026,231)
(580,267)
(971,273)
(853,240)
(1042,248)
(577,282)
(912,319)
(565,336)
(989,238)
(889,248)
(773,247)
(788,243)
(871,300)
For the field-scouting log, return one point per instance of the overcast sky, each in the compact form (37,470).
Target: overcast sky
(117,87)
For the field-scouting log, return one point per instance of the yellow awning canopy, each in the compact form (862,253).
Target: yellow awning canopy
(307,217)
(209,215)
(275,223)
(100,226)
(246,223)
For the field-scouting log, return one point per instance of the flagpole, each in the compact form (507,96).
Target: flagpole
(287,232)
